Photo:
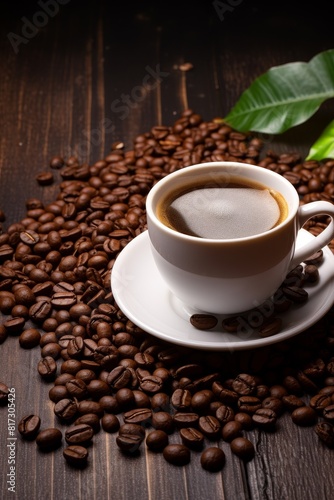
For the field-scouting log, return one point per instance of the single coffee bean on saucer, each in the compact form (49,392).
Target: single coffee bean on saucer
(203,321)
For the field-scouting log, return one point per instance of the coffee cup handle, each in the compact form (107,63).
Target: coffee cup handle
(305,212)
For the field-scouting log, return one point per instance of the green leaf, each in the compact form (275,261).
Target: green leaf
(285,96)
(324,146)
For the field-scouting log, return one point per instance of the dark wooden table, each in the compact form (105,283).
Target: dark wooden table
(71,83)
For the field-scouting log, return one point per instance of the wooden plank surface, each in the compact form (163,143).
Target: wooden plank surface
(75,87)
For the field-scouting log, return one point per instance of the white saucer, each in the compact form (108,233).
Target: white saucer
(143,297)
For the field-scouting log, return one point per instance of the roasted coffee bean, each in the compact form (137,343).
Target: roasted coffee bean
(325,432)
(224,414)
(292,402)
(29,237)
(203,321)
(192,438)
(76,455)
(87,406)
(137,416)
(274,404)
(162,420)
(14,326)
(319,402)
(77,388)
(213,459)
(44,178)
(4,393)
(244,384)
(39,311)
(304,416)
(160,401)
(245,420)
(181,399)
(66,409)
(29,426)
(265,418)
(296,294)
(224,395)
(271,327)
(243,448)
(130,437)
(156,440)
(177,454)
(328,412)
(90,419)
(151,384)
(30,338)
(231,430)
(249,404)
(209,426)
(79,434)
(49,439)
(47,368)
(110,423)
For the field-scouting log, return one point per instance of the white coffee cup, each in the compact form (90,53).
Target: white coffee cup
(226,276)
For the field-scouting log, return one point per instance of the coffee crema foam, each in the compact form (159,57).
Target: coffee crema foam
(224,212)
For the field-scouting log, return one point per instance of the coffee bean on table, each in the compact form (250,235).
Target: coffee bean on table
(130,437)
(79,434)
(110,423)
(177,454)
(231,430)
(49,439)
(29,426)
(30,338)
(47,368)
(304,416)
(192,438)
(90,419)
(213,459)
(76,455)
(4,392)
(156,440)
(243,448)
(325,432)
(44,178)
(66,409)
(265,418)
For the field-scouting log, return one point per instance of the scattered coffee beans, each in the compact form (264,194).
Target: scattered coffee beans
(104,371)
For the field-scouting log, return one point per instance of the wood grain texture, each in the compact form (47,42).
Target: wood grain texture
(74,88)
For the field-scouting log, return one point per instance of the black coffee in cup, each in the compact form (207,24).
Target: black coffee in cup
(222,210)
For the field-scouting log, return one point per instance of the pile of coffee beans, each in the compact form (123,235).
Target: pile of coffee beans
(104,371)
